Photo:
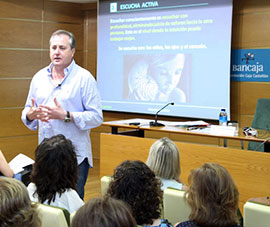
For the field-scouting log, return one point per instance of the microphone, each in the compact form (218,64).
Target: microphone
(155,123)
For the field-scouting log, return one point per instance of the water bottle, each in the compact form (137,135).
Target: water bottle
(223,117)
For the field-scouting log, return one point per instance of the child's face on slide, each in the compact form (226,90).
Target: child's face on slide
(168,74)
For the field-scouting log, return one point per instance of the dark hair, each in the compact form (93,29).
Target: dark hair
(72,41)
(136,184)
(213,196)
(104,212)
(16,208)
(55,169)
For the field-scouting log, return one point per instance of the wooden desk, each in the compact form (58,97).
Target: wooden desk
(139,130)
(250,170)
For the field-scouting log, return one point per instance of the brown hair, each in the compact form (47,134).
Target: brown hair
(16,208)
(213,196)
(105,212)
(136,184)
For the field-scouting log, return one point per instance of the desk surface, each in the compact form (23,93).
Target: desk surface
(144,125)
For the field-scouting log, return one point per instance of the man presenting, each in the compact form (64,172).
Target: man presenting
(63,99)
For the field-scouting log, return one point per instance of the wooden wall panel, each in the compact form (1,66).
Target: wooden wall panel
(250,32)
(63,12)
(12,125)
(95,139)
(245,120)
(45,56)
(92,30)
(28,9)
(20,34)
(251,6)
(92,63)
(195,139)
(13,93)
(234,100)
(79,57)
(76,29)
(249,94)
(19,63)
(11,146)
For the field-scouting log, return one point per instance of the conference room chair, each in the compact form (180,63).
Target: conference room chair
(175,207)
(72,215)
(53,216)
(261,120)
(105,181)
(256,215)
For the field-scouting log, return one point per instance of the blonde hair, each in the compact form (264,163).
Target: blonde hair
(164,159)
(16,208)
(212,196)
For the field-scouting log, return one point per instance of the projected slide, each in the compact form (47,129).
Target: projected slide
(154,52)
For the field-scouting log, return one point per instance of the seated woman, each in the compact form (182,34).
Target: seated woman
(16,208)
(134,183)
(213,198)
(4,167)
(105,212)
(164,161)
(55,174)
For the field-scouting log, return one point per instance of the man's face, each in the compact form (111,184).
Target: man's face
(168,74)
(61,53)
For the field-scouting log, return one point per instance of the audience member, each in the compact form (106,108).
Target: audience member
(16,208)
(105,212)
(4,167)
(164,161)
(55,174)
(212,196)
(136,184)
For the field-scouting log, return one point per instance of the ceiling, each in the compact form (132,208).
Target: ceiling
(76,1)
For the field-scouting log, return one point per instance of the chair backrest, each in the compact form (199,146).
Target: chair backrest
(105,181)
(261,120)
(53,216)
(72,215)
(175,207)
(256,215)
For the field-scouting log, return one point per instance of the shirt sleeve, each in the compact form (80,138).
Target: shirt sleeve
(32,125)
(92,116)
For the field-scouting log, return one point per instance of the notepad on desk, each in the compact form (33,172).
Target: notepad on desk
(18,163)
(199,123)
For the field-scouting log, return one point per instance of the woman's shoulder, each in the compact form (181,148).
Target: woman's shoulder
(31,188)
(69,200)
(193,224)
(165,223)
(170,183)
(187,224)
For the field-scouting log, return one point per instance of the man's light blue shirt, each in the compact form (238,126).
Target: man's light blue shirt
(78,94)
